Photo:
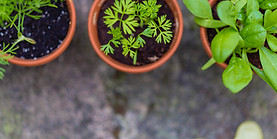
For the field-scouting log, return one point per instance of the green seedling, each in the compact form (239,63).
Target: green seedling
(247,26)
(130,15)
(12,14)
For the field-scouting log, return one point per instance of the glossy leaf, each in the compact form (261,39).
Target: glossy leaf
(261,73)
(241,15)
(209,64)
(237,75)
(254,35)
(272,42)
(209,23)
(227,13)
(269,5)
(199,8)
(240,4)
(252,5)
(270,22)
(269,64)
(255,17)
(224,43)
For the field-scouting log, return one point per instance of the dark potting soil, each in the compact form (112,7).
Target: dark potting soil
(253,58)
(151,52)
(48,32)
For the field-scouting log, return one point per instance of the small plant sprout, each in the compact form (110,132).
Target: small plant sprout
(12,14)
(245,26)
(129,15)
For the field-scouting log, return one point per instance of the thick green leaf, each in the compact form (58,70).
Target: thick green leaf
(255,17)
(272,42)
(269,4)
(237,75)
(227,13)
(252,5)
(254,35)
(199,8)
(269,64)
(224,43)
(261,73)
(270,22)
(209,23)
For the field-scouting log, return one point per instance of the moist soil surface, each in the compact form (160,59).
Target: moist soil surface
(151,52)
(252,57)
(48,32)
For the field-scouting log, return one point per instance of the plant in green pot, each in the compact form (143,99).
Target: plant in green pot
(240,34)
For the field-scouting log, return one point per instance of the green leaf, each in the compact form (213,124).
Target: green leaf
(269,64)
(254,35)
(199,8)
(209,23)
(260,1)
(224,43)
(270,22)
(240,4)
(261,73)
(129,25)
(252,5)
(147,32)
(255,17)
(107,48)
(227,13)
(237,75)
(111,18)
(241,15)
(272,42)
(209,64)
(269,5)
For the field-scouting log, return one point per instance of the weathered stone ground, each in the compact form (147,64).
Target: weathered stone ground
(78,96)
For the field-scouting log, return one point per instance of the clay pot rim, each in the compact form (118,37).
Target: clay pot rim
(93,35)
(205,42)
(53,55)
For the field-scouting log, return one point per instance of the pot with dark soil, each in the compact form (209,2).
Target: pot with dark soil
(135,36)
(241,37)
(35,32)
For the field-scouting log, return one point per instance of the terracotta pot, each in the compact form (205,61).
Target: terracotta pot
(47,58)
(93,35)
(204,39)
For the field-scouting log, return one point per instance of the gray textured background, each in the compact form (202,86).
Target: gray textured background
(78,96)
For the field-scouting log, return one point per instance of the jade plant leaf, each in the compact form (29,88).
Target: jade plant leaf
(224,43)
(272,42)
(270,22)
(252,5)
(209,23)
(254,35)
(269,64)
(199,8)
(255,17)
(237,75)
(269,5)
(227,13)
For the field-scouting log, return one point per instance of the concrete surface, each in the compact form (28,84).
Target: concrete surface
(78,96)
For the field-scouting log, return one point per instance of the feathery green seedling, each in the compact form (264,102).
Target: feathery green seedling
(14,12)
(246,30)
(137,15)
